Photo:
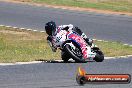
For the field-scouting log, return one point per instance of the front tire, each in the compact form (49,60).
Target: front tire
(65,57)
(77,57)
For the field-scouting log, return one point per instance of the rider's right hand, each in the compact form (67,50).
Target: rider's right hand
(49,38)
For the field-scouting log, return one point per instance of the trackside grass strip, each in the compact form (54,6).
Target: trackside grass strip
(21,46)
(113,5)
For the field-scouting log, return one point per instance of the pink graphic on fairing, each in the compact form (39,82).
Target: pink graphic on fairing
(81,42)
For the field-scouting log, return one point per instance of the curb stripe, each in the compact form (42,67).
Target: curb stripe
(29,29)
(126,44)
(22,28)
(8,26)
(35,30)
(42,31)
(1,25)
(20,63)
(15,27)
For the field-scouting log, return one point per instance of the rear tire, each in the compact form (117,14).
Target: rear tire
(73,55)
(99,55)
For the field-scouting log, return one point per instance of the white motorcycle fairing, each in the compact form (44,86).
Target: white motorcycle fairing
(63,36)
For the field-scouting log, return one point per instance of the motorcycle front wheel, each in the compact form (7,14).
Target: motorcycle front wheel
(75,54)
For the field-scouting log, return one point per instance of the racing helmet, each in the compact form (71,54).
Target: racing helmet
(50,27)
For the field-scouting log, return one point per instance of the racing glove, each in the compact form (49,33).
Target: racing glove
(49,39)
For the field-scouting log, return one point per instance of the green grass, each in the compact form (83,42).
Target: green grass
(114,5)
(114,48)
(20,45)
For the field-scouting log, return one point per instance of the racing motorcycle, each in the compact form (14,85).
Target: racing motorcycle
(74,46)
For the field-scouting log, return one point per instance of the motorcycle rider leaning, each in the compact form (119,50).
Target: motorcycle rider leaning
(52,30)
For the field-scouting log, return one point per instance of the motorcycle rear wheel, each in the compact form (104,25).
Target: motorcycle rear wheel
(99,55)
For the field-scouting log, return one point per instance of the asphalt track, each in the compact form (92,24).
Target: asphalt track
(62,75)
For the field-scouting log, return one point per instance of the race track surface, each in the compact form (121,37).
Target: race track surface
(99,26)
(61,75)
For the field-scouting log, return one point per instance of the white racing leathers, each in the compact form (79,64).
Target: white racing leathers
(59,38)
(59,35)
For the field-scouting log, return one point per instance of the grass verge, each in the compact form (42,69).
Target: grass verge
(21,45)
(113,5)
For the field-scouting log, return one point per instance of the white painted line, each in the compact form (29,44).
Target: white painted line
(126,44)
(2,25)
(94,39)
(20,63)
(33,62)
(109,57)
(15,27)
(59,60)
(130,45)
(123,57)
(22,28)
(6,64)
(35,30)
(29,29)
(129,55)
(100,40)
(42,31)
(116,57)
(8,26)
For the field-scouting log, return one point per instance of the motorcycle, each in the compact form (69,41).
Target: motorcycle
(74,46)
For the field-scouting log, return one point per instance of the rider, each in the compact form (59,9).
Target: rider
(52,30)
